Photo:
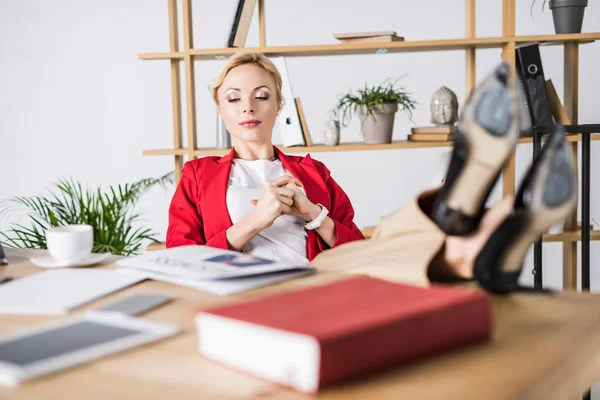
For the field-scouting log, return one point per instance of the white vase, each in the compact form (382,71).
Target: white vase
(331,134)
(223,136)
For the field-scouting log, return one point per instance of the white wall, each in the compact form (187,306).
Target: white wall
(75,99)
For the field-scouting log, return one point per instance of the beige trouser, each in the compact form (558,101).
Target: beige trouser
(402,249)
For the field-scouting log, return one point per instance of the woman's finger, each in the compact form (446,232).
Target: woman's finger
(285,200)
(285,209)
(283,180)
(285,192)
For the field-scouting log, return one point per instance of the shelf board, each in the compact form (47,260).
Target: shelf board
(161,56)
(570,138)
(165,152)
(559,39)
(156,246)
(319,148)
(371,48)
(358,48)
(570,236)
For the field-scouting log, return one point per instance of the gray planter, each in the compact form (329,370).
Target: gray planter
(568,15)
(380,130)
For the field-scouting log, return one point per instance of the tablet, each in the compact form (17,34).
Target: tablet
(58,346)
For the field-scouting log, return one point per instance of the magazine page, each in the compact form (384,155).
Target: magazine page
(223,287)
(204,262)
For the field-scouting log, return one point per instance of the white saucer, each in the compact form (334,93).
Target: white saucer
(49,262)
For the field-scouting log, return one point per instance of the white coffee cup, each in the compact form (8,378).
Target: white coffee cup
(70,243)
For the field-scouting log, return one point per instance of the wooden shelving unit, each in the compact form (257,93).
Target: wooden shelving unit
(507,42)
(570,236)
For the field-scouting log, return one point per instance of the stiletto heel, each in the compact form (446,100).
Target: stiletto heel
(545,197)
(487,135)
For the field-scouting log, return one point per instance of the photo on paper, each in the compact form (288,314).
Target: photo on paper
(239,260)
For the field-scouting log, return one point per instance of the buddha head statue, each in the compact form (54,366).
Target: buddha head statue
(444,107)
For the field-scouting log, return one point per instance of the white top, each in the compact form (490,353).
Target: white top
(285,240)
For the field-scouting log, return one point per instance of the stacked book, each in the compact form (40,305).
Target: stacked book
(439,133)
(368,37)
(241,23)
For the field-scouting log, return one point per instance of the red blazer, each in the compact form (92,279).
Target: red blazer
(198,212)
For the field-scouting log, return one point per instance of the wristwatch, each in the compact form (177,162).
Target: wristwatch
(315,223)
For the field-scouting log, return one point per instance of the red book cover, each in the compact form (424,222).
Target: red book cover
(311,338)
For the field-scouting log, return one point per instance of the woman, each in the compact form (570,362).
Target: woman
(256,199)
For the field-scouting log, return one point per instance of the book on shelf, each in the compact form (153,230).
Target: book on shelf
(241,23)
(366,37)
(532,82)
(431,137)
(303,125)
(289,123)
(312,338)
(210,269)
(374,39)
(558,111)
(359,35)
(437,130)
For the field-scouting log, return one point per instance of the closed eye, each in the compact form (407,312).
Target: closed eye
(261,98)
(233,100)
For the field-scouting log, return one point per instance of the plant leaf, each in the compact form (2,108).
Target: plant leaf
(109,212)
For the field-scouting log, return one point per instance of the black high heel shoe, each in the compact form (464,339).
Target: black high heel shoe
(488,132)
(546,196)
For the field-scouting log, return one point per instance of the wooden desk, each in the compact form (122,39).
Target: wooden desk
(544,347)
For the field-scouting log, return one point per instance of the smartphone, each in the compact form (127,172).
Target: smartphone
(136,304)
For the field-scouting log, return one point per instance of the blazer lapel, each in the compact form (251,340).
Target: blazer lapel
(305,170)
(214,193)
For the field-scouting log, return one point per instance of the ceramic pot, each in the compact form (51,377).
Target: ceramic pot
(568,15)
(379,129)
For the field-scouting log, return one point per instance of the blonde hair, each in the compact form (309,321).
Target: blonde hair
(249,57)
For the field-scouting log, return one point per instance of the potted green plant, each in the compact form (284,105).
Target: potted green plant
(376,107)
(110,213)
(566,14)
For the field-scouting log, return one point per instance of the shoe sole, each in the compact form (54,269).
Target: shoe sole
(487,156)
(546,196)
(487,136)
(548,209)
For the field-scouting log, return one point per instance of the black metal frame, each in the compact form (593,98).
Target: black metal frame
(585,131)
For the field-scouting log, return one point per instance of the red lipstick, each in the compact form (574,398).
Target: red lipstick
(250,123)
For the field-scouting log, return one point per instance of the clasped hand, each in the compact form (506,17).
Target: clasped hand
(282,196)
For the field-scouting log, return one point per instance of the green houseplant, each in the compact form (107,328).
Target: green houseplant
(375,105)
(110,213)
(567,15)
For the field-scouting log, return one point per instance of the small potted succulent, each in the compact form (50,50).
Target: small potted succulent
(376,107)
(567,14)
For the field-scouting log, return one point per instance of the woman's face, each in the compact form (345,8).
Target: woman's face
(248,103)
